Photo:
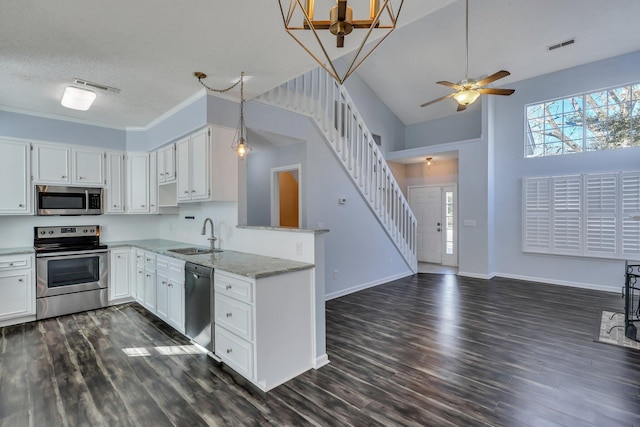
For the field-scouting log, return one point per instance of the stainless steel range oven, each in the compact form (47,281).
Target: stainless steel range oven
(71,270)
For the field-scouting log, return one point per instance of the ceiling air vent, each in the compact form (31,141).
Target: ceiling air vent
(561,44)
(96,85)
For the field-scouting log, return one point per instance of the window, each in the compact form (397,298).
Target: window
(448,211)
(584,215)
(600,120)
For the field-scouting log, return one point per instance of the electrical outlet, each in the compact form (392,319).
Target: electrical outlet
(335,274)
(298,248)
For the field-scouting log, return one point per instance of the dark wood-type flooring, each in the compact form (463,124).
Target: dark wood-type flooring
(430,350)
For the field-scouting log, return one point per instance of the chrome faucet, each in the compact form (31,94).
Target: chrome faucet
(213,238)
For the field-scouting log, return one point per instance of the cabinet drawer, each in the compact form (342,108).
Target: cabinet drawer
(235,316)
(11,262)
(233,287)
(234,351)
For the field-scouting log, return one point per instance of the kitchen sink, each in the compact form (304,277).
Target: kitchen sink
(194,251)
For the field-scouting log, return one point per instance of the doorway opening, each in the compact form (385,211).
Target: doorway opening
(435,208)
(286,196)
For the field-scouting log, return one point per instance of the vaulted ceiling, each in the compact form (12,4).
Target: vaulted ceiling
(149,50)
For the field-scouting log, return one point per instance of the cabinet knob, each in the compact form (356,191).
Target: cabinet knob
(118,256)
(227,287)
(164,282)
(21,205)
(115,206)
(64,177)
(10,264)
(193,191)
(21,280)
(148,275)
(229,350)
(81,177)
(142,206)
(153,206)
(229,314)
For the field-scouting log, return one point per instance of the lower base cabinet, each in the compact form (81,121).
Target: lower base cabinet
(170,291)
(264,328)
(17,288)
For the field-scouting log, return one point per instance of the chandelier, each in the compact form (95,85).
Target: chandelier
(239,145)
(348,30)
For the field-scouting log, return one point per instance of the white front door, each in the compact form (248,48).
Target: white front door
(435,208)
(426,204)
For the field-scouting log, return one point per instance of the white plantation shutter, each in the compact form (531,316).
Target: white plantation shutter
(601,194)
(567,215)
(536,211)
(630,230)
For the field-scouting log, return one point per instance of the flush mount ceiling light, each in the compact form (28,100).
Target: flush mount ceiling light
(77,98)
(348,29)
(429,159)
(239,145)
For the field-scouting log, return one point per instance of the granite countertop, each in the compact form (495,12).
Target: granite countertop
(290,229)
(17,251)
(240,263)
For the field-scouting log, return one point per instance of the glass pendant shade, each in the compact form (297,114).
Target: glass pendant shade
(77,99)
(466,97)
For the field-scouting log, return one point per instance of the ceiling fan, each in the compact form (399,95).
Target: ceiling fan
(468,90)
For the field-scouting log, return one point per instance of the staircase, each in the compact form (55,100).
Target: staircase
(317,95)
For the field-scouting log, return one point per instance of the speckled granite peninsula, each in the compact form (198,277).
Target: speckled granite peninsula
(240,263)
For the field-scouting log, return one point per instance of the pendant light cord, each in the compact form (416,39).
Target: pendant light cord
(227,89)
(466,68)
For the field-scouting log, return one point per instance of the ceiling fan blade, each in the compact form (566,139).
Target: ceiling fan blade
(342,10)
(339,41)
(493,77)
(439,99)
(461,107)
(491,91)
(453,85)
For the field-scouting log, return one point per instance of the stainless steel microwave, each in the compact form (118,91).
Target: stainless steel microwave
(56,200)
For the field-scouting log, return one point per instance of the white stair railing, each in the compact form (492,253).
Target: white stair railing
(317,95)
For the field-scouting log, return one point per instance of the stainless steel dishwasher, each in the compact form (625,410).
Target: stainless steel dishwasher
(198,304)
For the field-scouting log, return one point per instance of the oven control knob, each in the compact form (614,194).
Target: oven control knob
(50,231)
(43,232)
(92,230)
(84,231)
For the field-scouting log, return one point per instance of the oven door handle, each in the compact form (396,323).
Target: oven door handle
(86,200)
(72,253)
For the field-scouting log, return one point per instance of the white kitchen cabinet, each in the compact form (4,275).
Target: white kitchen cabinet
(166,164)
(119,274)
(264,327)
(150,281)
(57,164)
(51,164)
(114,193)
(205,170)
(88,167)
(17,285)
(138,183)
(170,291)
(153,184)
(15,178)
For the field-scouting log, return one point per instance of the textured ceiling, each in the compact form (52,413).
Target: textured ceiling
(149,50)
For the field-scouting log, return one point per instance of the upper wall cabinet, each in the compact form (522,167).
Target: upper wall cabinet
(166,164)
(114,193)
(138,183)
(15,175)
(62,165)
(205,170)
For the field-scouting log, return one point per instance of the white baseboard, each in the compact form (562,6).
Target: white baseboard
(476,275)
(320,361)
(23,319)
(363,286)
(594,286)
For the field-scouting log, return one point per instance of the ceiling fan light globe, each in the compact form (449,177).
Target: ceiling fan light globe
(466,97)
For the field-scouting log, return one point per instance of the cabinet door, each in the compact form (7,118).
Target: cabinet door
(200,162)
(88,167)
(150,290)
(51,164)
(138,183)
(16,297)
(153,183)
(170,163)
(175,310)
(140,284)
(160,165)
(115,183)
(162,294)
(119,274)
(15,178)
(183,170)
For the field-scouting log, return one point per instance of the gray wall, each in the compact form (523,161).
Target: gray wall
(460,127)
(511,166)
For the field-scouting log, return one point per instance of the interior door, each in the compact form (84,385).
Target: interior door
(426,204)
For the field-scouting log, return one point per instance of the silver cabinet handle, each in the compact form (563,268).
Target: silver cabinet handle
(228,287)
(229,350)
(229,314)
(186,192)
